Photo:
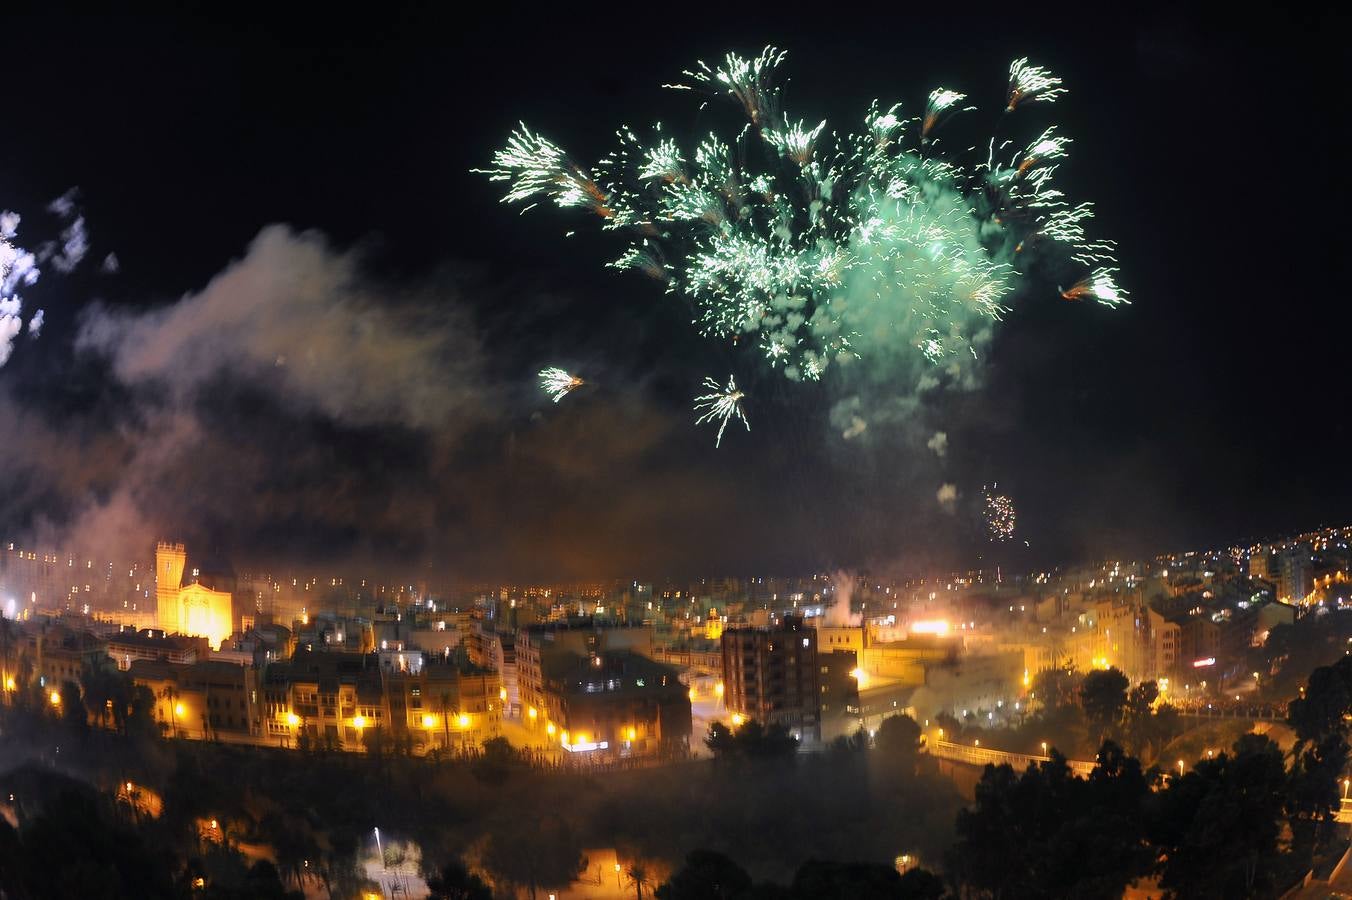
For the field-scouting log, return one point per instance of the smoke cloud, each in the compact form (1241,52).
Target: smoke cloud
(298,410)
(297,317)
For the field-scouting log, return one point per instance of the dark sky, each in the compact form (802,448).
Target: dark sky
(359,388)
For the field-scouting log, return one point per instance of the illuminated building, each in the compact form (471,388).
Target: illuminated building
(771,675)
(193,609)
(614,704)
(126,647)
(1166,638)
(1294,582)
(344,700)
(1260,564)
(584,636)
(53,654)
(169,562)
(203,700)
(841,683)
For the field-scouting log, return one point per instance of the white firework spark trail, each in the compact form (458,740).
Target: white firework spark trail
(558,384)
(720,405)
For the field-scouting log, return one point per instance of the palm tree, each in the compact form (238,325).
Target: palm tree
(169,695)
(638,875)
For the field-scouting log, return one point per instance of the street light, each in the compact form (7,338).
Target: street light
(462,720)
(56,698)
(1180,768)
(178,710)
(292,719)
(1044,748)
(359,722)
(429,720)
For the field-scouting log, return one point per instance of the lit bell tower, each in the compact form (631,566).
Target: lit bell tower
(169,562)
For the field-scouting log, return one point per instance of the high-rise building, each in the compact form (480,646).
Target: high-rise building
(1260,564)
(1294,582)
(771,675)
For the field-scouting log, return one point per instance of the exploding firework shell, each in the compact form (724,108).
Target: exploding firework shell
(818,247)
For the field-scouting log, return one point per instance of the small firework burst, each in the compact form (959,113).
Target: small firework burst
(998,512)
(720,405)
(558,384)
(1028,83)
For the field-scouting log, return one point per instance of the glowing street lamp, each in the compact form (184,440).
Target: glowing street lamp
(292,719)
(359,722)
(1044,748)
(1180,768)
(462,720)
(55,698)
(178,710)
(429,721)
(737,720)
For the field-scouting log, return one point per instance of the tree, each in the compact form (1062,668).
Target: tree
(1057,687)
(1321,753)
(706,875)
(455,882)
(921,884)
(1103,696)
(1218,825)
(898,738)
(535,853)
(638,876)
(825,880)
(73,708)
(1047,833)
(719,739)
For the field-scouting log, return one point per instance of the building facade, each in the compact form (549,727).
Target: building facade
(772,675)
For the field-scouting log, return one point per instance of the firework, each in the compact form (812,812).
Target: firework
(720,405)
(537,167)
(749,80)
(1029,83)
(998,511)
(817,247)
(942,103)
(558,383)
(1098,285)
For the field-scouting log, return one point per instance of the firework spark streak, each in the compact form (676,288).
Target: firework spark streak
(558,383)
(720,405)
(816,246)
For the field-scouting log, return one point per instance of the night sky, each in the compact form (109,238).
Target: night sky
(321,343)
